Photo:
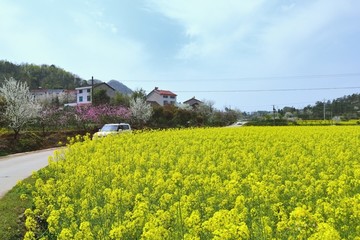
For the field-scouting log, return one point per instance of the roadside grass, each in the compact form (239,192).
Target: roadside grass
(12,207)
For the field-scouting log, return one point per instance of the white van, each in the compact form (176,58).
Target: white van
(113,128)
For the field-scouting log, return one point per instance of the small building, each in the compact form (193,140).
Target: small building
(161,97)
(48,95)
(41,93)
(84,93)
(193,102)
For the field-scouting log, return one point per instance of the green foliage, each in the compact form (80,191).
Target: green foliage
(44,76)
(269,122)
(30,142)
(120,99)
(100,97)
(12,207)
(2,111)
(35,140)
(170,116)
(347,107)
(139,93)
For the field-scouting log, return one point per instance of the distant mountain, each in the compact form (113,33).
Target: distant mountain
(96,81)
(118,86)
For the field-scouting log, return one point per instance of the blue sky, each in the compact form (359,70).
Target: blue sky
(238,54)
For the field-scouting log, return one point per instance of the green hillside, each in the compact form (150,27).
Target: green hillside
(44,76)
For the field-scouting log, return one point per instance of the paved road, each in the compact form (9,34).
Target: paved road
(20,166)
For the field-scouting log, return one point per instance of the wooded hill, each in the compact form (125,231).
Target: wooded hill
(44,76)
(346,107)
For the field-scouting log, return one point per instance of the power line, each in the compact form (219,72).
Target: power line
(265,90)
(312,76)
(292,104)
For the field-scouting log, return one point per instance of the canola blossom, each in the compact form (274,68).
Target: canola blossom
(213,183)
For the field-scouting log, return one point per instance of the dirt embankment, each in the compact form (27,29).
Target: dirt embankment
(32,140)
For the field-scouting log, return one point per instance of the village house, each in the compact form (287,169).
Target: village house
(62,95)
(193,102)
(161,97)
(84,94)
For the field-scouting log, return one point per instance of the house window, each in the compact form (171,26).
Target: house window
(80,91)
(172,102)
(166,102)
(88,90)
(80,99)
(173,97)
(165,96)
(88,98)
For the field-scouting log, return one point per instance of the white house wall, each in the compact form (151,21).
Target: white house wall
(84,95)
(155,97)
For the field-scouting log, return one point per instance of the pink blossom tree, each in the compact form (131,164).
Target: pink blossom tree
(101,114)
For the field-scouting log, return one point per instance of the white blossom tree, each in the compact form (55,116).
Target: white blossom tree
(140,110)
(20,106)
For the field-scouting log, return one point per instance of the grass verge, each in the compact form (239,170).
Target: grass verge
(12,207)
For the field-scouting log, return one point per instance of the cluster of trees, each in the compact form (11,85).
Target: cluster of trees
(185,116)
(85,117)
(35,76)
(343,108)
(346,107)
(19,109)
(169,115)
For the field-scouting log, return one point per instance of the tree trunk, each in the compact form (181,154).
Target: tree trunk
(16,133)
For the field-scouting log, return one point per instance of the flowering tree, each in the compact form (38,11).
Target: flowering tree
(21,107)
(101,114)
(52,117)
(140,110)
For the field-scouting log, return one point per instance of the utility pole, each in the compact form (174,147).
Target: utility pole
(274,113)
(324,109)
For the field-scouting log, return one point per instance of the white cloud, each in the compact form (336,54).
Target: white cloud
(269,34)
(212,27)
(296,34)
(87,44)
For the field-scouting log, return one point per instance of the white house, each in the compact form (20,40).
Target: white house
(161,97)
(83,94)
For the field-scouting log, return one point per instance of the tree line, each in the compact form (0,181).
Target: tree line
(345,108)
(39,76)
(20,110)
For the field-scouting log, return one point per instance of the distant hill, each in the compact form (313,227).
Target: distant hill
(50,76)
(96,81)
(347,107)
(118,86)
(44,76)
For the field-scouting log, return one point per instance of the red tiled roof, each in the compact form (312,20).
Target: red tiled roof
(166,92)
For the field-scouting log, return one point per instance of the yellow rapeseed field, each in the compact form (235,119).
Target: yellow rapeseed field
(214,183)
